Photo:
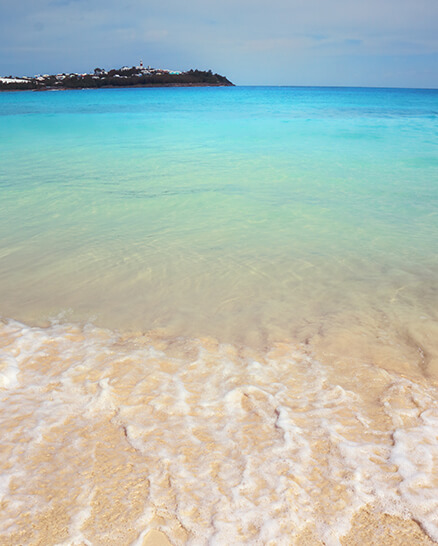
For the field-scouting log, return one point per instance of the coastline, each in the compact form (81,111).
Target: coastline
(124,77)
(149,86)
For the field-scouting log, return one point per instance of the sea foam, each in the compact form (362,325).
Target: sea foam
(109,435)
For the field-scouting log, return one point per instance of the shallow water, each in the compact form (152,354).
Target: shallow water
(209,278)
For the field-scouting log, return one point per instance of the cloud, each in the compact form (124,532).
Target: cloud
(298,41)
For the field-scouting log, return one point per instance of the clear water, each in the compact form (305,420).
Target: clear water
(247,218)
(227,211)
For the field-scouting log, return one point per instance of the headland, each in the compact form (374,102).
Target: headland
(135,76)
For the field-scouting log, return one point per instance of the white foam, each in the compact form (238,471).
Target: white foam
(8,372)
(415,452)
(237,450)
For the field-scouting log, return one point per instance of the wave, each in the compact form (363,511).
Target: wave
(107,436)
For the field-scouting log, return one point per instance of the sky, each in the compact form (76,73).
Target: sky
(377,43)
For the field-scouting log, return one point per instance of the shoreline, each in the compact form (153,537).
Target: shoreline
(148,86)
(163,436)
(244,344)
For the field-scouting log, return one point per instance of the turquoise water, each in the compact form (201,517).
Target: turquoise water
(218,316)
(242,213)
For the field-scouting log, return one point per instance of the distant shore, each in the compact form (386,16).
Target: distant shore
(140,86)
(136,76)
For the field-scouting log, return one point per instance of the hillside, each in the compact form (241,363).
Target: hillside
(136,76)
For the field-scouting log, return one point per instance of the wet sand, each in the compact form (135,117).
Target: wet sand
(109,437)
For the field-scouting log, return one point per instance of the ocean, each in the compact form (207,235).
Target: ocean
(219,316)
